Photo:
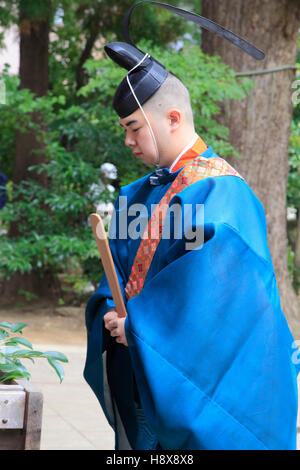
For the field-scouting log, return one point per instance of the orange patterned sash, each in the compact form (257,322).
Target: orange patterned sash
(194,171)
(197,149)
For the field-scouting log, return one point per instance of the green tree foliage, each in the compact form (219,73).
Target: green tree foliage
(293,199)
(293,188)
(293,184)
(79,29)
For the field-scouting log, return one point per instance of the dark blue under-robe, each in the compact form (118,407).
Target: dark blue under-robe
(210,352)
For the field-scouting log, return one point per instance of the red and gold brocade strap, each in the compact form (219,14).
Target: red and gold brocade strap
(195,171)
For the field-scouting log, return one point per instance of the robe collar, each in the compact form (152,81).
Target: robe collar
(164,175)
(191,151)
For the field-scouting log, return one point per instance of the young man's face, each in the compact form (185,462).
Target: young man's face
(138,137)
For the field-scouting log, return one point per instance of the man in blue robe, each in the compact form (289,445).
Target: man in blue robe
(205,358)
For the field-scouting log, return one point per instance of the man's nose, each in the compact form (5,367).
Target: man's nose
(129,141)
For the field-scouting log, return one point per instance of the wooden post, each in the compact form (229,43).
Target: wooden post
(21,405)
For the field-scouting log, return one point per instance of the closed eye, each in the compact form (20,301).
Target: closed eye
(135,130)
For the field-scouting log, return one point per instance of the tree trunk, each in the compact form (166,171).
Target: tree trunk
(33,73)
(260,124)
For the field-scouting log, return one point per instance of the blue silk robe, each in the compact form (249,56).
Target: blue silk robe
(209,348)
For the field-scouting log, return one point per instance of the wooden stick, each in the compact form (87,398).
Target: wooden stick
(108,263)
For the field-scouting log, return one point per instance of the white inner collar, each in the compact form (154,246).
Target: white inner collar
(183,151)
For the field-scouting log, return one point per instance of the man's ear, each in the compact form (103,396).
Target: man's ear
(174,117)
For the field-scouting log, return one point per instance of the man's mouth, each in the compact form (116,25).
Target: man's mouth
(137,154)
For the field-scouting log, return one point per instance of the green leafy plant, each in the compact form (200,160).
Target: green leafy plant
(13,348)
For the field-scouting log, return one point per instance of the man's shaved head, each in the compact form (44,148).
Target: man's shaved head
(171,94)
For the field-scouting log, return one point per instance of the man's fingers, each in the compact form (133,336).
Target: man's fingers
(116,326)
(115,332)
(109,317)
(111,324)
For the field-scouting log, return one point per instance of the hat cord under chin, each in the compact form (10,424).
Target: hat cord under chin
(140,106)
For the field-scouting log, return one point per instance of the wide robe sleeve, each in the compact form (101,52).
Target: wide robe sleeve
(209,343)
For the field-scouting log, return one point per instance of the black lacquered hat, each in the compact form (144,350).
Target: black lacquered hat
(146,75)
(145,79)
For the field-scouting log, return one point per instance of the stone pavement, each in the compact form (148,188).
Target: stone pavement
(72,417)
